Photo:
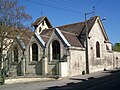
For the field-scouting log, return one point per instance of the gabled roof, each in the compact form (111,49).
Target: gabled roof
(62,37)
(47,32)
(80,27)
(77,28)
(40,40)
(71,33)
(68,38)
(23,37)
(45,38)
(72,39)
(40,20)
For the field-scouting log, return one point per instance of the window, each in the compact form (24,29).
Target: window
(34,52)
(56,50)
(16,54)
(107,48)
(43,23)
(97,49)
(40,29)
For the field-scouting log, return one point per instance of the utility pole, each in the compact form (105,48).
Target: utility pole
(86,42)
(86,47)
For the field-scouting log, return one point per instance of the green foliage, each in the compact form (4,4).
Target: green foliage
(116,47)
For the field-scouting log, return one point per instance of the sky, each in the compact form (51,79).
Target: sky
(61,12)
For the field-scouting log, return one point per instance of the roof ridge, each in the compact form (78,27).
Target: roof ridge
(70,24)
(38,20)
(77,22)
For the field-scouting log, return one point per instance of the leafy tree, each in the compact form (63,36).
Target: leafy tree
(116,47)
(12,17)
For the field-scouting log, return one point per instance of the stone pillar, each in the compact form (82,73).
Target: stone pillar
(44,66)
(23,66)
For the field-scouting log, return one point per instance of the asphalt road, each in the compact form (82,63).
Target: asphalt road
(109,82)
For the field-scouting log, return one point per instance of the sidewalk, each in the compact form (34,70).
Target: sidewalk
(73,79)
(96,74)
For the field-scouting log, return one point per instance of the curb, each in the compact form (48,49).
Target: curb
(26,80)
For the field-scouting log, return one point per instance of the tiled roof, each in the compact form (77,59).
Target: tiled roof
(47,32)
(72,39)
(38,20)
(25,36)
(71,32)
(77,28)
(45,39)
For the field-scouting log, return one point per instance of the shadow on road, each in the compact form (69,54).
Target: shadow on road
(84,84)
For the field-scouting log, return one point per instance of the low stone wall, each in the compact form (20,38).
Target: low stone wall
(109,61)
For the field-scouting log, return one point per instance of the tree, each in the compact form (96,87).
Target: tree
(12,17)
(116,47)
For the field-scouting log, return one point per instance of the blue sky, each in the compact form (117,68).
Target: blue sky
(61,12)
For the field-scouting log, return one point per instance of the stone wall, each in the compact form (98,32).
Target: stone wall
(76,61)
(116,59)
(33,68)
(96,35)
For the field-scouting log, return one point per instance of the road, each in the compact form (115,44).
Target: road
(108,82)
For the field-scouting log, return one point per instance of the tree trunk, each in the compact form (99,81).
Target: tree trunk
(1,52)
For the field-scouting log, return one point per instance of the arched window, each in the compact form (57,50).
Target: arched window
(56,50)
(34,52)
(97,49)
(16,54)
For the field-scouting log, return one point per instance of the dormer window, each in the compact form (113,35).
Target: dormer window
(40,29)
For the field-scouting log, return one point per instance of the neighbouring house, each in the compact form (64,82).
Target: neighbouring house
(16,54)
(61,51)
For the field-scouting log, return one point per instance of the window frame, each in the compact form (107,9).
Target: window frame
(56,50)
(34,51)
